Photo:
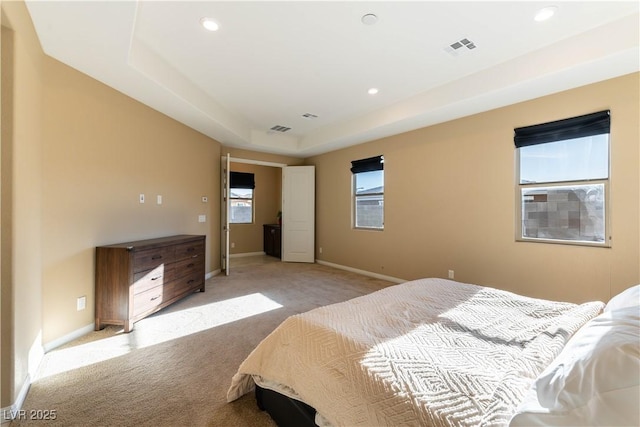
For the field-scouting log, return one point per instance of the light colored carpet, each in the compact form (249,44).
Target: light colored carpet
(175,367)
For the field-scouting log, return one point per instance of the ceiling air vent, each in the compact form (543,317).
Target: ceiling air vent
(460,46)
(279,128)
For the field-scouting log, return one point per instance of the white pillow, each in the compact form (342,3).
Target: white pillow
(626,298)
(595,380)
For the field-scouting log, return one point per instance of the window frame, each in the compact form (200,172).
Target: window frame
(354,196)
(242,181)
(252,201)
(607,213)
(519,205)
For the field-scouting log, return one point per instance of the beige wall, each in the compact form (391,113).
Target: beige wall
(96,166)
(6,177)
(79,153)
(262,157)
(450,202)
(22,114)
(248,238)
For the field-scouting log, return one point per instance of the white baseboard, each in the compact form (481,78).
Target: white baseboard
(11,412)
(246,254)
(210,274)
(89,328)
(363,272)
(68,338)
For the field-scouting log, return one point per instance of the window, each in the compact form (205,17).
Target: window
(368,192)
(241,188)
(563,180)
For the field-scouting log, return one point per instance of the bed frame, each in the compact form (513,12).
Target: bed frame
(285,412)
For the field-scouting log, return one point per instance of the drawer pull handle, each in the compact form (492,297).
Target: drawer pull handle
(194,256)
(191,249)
(155,298)
(156,278)
(190,265)
(156,257)
(190,281)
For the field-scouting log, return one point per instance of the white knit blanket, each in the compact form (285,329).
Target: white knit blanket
(429,352)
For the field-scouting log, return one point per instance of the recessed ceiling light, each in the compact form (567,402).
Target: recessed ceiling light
(545,13)
(369,19)
(372,91)
(209,24)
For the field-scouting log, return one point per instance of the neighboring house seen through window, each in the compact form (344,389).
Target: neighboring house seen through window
(241,187)
(563,180)
(368,192)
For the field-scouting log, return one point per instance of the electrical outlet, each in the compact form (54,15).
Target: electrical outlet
(159,199)
(320,250)
(233,245)
(451,274)
(141,198)
(81,303)
(202,218)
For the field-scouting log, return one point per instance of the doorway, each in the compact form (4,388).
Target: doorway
(244,237)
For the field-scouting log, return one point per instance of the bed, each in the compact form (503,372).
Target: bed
(435,352)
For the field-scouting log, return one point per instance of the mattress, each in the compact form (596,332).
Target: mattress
(427,352)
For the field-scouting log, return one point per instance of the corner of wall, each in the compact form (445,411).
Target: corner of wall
(14,411)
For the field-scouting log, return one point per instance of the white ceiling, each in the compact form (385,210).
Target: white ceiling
(272,62)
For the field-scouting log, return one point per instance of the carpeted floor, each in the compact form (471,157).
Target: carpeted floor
(175,367)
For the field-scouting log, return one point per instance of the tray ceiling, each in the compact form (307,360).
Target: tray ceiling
(293,77)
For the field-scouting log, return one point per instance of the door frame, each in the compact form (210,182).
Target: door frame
(225,228)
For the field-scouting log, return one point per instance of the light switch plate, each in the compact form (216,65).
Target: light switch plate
(81,303)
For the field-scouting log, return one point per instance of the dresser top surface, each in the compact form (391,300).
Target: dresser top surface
(156,242)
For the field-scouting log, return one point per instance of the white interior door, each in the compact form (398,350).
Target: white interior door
(224,214)
(298,213)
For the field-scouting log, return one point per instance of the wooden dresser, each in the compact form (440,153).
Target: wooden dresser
(272,243)
(136,279)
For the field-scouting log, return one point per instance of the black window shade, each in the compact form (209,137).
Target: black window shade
(368,165)
(242,180)
(575,127)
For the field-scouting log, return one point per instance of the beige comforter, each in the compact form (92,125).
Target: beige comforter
(429,352)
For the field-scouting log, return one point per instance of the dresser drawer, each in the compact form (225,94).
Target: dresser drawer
(184,285)
(149,299)
(189,250)
(192,282)
(148,279)
(187,267)
(151,258)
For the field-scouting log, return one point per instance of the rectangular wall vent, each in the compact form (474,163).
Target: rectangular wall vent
(457,47)
(279,128)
